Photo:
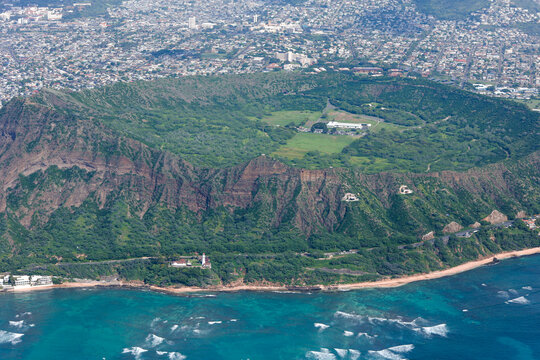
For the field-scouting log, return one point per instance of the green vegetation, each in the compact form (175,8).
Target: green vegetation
(454,10)
(262,221)
(302,143)
(294,118)
(427,126)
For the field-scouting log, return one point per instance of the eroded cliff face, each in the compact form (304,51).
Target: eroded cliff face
(35,139)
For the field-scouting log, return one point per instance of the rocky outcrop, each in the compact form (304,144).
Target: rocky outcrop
(476,225)
(496,217)
(521,214)
(452,228)
(429,236)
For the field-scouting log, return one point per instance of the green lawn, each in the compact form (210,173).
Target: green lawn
(303,143)
(283,118)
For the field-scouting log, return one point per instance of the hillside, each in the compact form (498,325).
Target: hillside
(84,179)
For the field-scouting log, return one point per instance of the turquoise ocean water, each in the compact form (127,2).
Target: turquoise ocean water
(419,321)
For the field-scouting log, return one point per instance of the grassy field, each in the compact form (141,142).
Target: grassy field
(303,143)
(375,164)
(283,118)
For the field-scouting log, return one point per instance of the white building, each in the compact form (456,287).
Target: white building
(335,124)
(22,280)
(192,23)
(205,262)
(38,280)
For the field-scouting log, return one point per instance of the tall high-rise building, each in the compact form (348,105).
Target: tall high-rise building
(255,18)
(192,23)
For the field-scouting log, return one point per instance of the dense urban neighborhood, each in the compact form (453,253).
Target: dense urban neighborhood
(493,50)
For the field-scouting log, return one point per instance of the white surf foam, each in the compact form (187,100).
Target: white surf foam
(392,353)
(176,356)
(345,315)
(503,294)
(401,348)
(348,333)
(233,320)
(10,337)
(174,327)
(513,291)
(365,335)
(342,353)
(153,340)
(527,288)
(215,322)
(354,354)
(385,354)
(414,323)
(28,313)
(324,354)
(321,326)
(17,324)
(135,351)
(439,330)
(171,355)
(519,300)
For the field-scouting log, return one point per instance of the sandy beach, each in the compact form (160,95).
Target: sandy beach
(386,283)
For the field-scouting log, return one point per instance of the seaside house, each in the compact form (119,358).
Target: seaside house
(22,280)
(39,280)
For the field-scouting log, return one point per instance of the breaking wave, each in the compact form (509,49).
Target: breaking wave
(345,315)
(365,335)
(354,354)
(440,330)
(342,353)
(135,351)
(392,353)
(172,355)
(153,340)
(519,300)
(28,313)
(348,333)
(215,322)
(321,326)
(10,337)
(401,348)
(324,354)
(17,324)
(527,288)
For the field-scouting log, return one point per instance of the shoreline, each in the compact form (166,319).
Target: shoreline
(386,283)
